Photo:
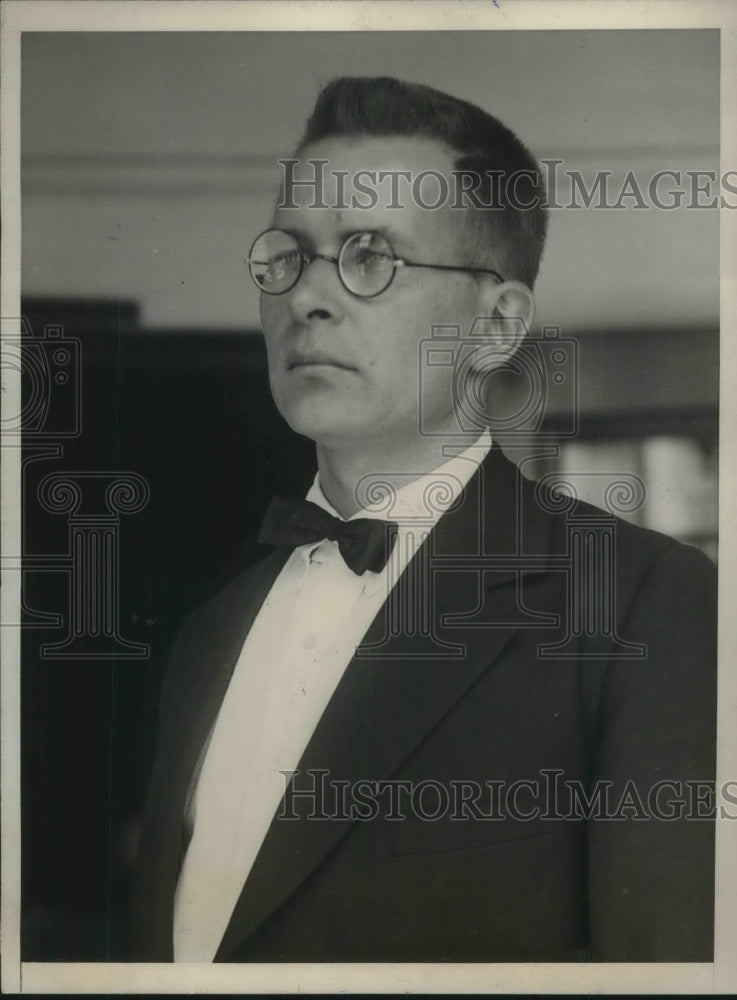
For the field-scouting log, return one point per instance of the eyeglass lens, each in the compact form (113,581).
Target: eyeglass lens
(275,261)
(365,263)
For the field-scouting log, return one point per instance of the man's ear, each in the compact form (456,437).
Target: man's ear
(504,319)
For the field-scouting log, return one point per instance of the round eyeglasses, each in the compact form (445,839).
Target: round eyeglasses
(366,263)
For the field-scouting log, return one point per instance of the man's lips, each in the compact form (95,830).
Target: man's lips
(310,359)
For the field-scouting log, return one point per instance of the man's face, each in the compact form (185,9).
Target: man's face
(346,370)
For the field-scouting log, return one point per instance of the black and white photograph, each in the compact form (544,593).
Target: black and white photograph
(363,581)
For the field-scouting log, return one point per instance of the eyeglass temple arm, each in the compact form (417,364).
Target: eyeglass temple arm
(447,267)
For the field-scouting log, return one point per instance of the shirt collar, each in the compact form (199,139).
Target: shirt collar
(425,498)
(421,502)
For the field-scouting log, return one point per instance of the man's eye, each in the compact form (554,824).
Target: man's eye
(371,260)
(284,259)
(282,262)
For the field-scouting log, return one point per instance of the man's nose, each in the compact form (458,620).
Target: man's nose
(318,293)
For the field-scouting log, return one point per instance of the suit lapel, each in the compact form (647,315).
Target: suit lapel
(201,691)
(206,654)
(403,681)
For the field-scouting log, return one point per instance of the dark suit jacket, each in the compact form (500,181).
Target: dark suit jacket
(477,695)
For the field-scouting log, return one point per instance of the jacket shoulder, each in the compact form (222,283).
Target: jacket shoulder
(639,550)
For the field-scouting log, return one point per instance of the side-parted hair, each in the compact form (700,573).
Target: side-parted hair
(484,146)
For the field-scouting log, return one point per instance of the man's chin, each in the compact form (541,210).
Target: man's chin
(325,427)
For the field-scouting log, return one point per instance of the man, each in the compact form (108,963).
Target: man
(452,715)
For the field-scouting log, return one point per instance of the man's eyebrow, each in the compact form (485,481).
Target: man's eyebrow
(295,231)
(389,234)
(344,230)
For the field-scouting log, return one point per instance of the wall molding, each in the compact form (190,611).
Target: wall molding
(182,174)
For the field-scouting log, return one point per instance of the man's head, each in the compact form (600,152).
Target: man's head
(346,370)
(482,146)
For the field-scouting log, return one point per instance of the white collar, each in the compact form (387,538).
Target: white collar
(424,498)
(420,503)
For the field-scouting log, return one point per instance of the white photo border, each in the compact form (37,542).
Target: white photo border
(181,15)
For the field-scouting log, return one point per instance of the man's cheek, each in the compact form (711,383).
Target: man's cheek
(275,352)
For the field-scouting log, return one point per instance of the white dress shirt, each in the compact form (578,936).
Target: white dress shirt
(298,648)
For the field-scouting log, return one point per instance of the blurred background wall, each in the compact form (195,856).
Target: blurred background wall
(149,162)
(150,159)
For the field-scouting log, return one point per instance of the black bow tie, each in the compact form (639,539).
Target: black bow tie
(365,543)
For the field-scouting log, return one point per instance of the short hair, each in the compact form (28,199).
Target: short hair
(385,106)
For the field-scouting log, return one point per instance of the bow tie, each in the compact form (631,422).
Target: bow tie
(365,543)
